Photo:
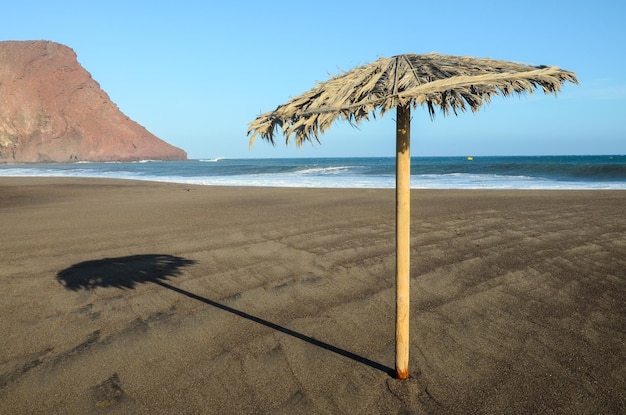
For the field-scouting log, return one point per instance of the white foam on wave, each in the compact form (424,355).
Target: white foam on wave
(326,170)
(285,180)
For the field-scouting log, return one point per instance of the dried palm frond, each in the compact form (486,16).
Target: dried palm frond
(451,83)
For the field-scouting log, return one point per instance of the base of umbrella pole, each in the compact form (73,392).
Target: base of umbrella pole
(403,240)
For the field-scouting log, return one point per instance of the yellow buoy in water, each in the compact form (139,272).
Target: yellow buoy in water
(470,158)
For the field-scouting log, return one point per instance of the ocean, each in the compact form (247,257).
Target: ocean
(538,172)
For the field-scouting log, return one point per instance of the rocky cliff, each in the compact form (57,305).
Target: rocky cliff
(51,110)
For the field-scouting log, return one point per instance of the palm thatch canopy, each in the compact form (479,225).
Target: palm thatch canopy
(451,83)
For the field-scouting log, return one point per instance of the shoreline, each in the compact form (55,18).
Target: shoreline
(140,297)
(304,186)
(442,173)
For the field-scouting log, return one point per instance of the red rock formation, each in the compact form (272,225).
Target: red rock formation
(51,110)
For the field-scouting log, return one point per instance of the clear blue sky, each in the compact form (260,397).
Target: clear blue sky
(195,74)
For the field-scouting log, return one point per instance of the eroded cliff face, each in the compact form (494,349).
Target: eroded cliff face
(51,110)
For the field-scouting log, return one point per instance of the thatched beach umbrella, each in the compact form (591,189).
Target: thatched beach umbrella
(450,83)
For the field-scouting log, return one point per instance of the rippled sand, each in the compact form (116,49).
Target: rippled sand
(125,297)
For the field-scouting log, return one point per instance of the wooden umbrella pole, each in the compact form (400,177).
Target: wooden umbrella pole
(403,240)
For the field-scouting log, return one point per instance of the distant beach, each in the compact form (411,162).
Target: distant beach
(519,172)
(139,297)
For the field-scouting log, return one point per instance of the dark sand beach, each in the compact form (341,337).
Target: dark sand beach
(124,297)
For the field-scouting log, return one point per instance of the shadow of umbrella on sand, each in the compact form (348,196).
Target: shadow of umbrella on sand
(450,83)
(127,272)
(123,272)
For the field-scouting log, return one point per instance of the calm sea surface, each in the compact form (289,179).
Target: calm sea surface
(540,172)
